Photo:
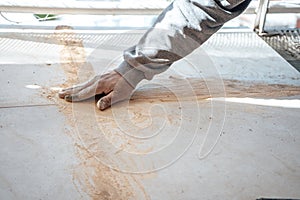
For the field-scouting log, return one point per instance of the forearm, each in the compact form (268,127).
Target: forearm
(181,28)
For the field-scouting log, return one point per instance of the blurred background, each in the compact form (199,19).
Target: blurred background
(120,21)
(279,27)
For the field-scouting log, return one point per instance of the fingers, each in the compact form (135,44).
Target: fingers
(77,88)
(84,94)
(105,102)
(112,84)
(121,92)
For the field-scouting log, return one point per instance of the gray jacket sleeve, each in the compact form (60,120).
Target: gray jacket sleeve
(182,27)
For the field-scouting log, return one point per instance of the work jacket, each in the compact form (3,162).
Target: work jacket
(181,28)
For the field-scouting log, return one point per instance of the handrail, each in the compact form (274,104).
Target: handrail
(267,6)
(117,8)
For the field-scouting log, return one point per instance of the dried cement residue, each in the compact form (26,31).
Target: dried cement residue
(72,56)
(91,176)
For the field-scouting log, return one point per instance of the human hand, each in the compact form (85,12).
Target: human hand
(112,85)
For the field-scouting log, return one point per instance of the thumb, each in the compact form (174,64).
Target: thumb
(122,91)
(105,102)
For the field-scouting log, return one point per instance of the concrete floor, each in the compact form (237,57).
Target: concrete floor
(179,138)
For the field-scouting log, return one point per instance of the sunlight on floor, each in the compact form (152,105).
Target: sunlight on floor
(285,103)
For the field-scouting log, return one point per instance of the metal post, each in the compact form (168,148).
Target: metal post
(261,14)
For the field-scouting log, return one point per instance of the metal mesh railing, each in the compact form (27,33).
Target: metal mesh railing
(287,44)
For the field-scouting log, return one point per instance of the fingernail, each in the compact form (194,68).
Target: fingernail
(102,104)
(98,104)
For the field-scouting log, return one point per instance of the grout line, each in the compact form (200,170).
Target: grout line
(26,106)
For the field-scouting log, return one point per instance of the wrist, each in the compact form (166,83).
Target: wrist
(132,75)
